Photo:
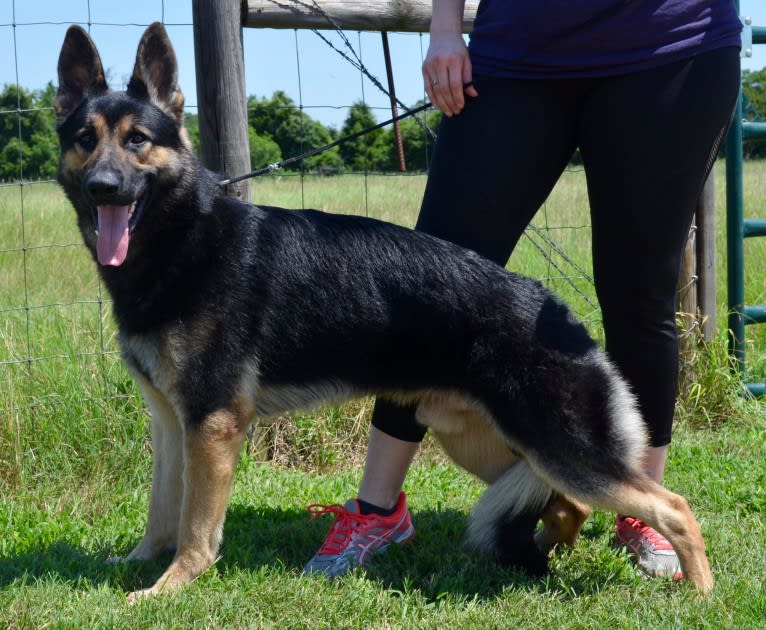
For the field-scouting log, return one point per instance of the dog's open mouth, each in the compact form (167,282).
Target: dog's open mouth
(115,223)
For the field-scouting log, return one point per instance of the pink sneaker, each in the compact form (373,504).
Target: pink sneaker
(654,554)
(354,537)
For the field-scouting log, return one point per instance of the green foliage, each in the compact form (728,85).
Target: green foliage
(28,143)
(281,120)
(278,129)
(754,89)
(263,149)
(418,143)
(191,122)
(294,131)
(378,150)
(367,152)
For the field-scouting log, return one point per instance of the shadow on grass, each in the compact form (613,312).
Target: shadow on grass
(436,563)
(65,562)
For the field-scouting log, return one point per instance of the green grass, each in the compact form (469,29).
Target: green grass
(75,464)
(58,534)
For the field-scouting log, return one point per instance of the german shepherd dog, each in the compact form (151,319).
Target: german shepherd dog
(229,311)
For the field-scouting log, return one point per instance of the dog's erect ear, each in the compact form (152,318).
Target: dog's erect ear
(80,72)
(155,75)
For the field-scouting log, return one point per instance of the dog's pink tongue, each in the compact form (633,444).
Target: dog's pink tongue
(113,234)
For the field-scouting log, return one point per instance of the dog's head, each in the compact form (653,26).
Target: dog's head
(121,152)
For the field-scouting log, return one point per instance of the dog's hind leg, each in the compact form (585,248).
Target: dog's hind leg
(211,452)
(464,429)
(622,488)
(562,521)
(504,519)
(670,515)
(467,436)
(167,483)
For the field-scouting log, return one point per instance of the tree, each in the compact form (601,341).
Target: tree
(191,122)
(754,89)
(263,150)
(28,142)
(280,119)
(367,152)
(417,142)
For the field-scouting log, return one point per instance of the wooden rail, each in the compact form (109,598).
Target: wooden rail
(374,15)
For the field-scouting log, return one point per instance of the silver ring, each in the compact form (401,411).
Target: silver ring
(434,81)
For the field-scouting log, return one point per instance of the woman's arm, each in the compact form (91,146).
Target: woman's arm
(447,66)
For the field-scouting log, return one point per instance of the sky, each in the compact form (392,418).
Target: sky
(297,62)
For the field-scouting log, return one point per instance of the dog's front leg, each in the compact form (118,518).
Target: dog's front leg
(167,483)
(211,451)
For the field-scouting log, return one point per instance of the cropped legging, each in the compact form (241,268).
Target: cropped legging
(648,141)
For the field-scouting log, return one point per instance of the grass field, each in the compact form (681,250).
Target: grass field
(75,464)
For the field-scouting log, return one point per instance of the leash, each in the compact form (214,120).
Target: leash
(311,152)
(606,13)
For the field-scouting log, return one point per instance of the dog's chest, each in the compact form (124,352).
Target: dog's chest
(150,356)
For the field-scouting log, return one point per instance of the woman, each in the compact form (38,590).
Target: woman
(645,89)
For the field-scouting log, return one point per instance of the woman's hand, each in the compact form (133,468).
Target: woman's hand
(446,69)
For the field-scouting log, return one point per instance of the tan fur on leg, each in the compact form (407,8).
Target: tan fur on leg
(167,483)
(465,432)
(670,515)
(562,522)
(211,454)
(468,436)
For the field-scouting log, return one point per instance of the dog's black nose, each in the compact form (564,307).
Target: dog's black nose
(103,184)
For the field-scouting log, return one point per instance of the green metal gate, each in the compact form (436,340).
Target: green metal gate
(741,314)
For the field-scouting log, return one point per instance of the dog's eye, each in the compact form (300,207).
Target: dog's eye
(137,138)
(86,140)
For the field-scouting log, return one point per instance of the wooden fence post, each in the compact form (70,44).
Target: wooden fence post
(696,298)
(687,316)
(221,95)
(706,255)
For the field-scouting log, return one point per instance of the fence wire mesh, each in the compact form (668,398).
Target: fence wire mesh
(54,312)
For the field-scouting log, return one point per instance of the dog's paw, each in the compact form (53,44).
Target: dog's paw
(113,560)
(136,596)
(528,559)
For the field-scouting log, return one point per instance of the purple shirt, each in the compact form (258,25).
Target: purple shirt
(589,38)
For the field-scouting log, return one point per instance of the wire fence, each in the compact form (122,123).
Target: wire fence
(54,311)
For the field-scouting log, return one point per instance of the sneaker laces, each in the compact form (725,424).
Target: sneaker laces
(652,536)
(342,527)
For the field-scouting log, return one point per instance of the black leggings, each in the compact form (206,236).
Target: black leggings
(648,141)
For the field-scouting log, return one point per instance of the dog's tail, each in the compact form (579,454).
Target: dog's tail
(504,519)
